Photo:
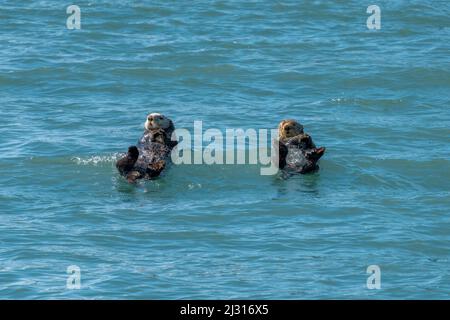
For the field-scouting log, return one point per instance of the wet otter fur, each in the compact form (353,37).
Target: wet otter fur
(296,150)
(151,155)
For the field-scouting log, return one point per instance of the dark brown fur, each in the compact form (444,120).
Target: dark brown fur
(150,157)
(296,154)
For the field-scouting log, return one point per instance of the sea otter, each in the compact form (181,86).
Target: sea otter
(297,153)
(152,154)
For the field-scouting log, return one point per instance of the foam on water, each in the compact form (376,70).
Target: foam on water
(96,160)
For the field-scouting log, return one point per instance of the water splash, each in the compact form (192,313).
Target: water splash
(97,160)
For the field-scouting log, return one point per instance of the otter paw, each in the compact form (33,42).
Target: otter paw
(133,176)
(155,168)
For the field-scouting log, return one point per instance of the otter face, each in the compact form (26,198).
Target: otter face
(289,128)
(157,121)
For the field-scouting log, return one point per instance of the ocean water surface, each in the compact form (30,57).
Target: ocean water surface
(71,101)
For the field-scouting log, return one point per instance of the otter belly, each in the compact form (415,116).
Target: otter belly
(297,160)
(153,158)
(148,158)
(152,153)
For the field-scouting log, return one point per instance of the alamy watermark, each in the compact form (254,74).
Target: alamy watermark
(236,146)
(374,280)
(374,20)
(74,279)
(74,20)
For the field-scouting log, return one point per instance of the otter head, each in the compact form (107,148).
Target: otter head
(288,129)
(157,121)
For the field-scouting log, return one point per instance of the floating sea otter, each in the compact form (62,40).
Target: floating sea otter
(297,152)
(152,154)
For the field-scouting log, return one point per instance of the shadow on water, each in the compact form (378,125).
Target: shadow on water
(123,187)
(287,183)
(135,189)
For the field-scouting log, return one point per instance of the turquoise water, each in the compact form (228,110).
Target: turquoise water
(72,100)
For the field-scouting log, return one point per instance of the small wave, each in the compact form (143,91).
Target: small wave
(193,186)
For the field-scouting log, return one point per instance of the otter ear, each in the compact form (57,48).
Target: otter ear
(170,129)
(171,126)
(301,128)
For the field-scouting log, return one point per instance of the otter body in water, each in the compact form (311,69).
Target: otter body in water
(297,152)
(152,154)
